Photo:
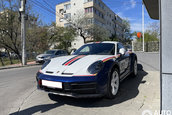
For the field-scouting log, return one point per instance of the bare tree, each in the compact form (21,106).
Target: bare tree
(87,28)
(97,33)
(154,29)
(10,26)
(79,21)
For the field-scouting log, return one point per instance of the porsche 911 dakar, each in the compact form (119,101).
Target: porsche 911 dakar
(95,69)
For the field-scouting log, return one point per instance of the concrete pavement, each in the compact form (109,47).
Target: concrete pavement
(33,63)
(135,95)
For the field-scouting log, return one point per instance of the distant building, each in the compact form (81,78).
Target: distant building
(97,11)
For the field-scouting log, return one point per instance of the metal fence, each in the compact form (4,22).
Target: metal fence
(152,46)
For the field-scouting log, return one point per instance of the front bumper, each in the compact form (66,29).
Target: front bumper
(78,87)
(77,90)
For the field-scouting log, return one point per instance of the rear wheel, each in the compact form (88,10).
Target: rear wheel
(113,84)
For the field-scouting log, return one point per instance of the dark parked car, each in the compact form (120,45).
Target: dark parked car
(50,54)
(3,54)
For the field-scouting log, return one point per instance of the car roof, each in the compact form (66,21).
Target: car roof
(54,50)
(112,42)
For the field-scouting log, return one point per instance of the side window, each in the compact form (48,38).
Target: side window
(119,46)
(86,49)
(58,53)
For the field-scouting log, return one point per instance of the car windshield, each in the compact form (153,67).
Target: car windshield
(96,49)
(50,52)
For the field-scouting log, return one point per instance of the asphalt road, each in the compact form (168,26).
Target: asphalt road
(20,96)
(13,84)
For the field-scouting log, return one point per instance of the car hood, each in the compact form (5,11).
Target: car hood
(72,65)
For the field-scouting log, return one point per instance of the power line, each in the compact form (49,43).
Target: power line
(39,4)
(43,7)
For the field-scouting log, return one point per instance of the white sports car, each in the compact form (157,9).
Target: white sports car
(95,69)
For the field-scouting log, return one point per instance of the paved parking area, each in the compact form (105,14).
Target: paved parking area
(135,95)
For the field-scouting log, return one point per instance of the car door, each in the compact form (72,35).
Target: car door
(123,61)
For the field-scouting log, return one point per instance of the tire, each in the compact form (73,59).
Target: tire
(135,69)
(113,84)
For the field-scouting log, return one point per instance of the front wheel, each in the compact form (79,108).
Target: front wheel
(113,84)
(135,69)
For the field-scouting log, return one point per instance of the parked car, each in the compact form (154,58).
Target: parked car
(13,55)
(50,54)
(95,69)
(3,54)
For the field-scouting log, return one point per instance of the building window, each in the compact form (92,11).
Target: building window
(61,11)
(67,6)
(61,19)
(90,21)
(89,10)
(98,13)
(67,25)
(67,16)
(85,1)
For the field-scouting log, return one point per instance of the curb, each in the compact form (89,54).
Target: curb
(146,52)
(12,67)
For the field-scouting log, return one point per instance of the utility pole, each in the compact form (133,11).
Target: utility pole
(23,31)
(143,28)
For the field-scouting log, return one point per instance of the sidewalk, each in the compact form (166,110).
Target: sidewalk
(18,65)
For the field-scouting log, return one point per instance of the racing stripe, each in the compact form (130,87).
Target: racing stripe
(69,60)
(107,59)
(72,60)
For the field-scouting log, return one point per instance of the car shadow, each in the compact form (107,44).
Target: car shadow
(128,90)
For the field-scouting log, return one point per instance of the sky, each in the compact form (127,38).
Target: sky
(130,9)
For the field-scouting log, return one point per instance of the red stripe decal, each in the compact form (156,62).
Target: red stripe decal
(110,58)
(73,60)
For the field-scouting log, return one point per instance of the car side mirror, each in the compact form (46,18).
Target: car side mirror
(73,51)
(122,51)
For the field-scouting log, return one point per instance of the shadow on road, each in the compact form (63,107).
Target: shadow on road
(128,90)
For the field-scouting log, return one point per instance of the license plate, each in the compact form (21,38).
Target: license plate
(52,84)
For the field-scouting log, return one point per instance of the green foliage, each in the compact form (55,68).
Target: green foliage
(149,37)
(126,33)
(64,36)
(97,33)
(151,34)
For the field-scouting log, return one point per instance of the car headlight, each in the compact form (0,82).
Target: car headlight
(95,67)
(45,64)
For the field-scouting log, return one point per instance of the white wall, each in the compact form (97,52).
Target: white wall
(77,6)
(77,43)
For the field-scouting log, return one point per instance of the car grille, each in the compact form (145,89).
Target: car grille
(79,88)
(50,72)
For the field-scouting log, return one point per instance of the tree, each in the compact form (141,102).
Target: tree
(63,37)
(10,26)
(10,33)
(2,63)
(87,29)
(154,29)
(126,29)
(97,33)
(151,34)
(80,23)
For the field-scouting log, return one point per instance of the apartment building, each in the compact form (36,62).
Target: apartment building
(97,12)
